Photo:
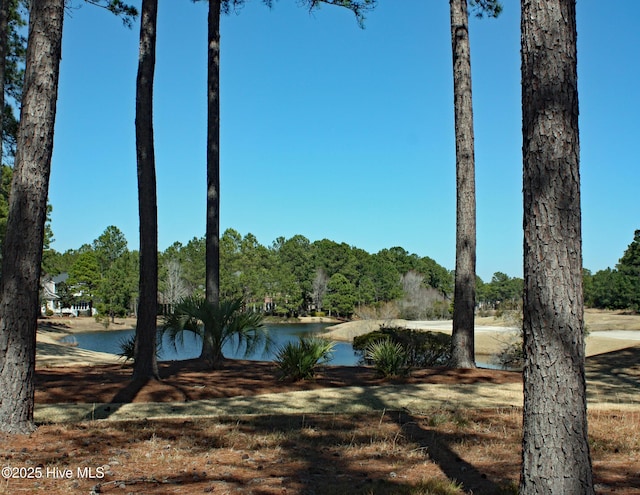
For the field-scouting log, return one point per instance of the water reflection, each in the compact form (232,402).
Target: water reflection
(109,341)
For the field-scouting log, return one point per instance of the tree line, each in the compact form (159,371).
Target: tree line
(295,276)
(619,287)
(291,276)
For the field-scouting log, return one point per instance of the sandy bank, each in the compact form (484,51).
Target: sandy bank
(488,338)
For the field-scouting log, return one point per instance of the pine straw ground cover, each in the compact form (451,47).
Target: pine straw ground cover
(372,453)
(454,451)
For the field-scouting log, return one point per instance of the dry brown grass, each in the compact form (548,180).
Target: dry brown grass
(597,319)
(372,453)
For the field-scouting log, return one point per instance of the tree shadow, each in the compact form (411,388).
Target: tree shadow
(439,447)
(615,375)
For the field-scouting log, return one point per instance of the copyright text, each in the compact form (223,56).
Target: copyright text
(51,472)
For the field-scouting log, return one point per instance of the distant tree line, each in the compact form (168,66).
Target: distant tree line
(612,288)
(617,288)
(295,276)
(290,277)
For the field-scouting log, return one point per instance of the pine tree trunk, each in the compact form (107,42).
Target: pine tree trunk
(22,254)
(207,353)
(213,166)
(145,363)
(213,157)
(463,345)
(555,453)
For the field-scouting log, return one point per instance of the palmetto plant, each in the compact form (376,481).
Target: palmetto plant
(299,360)
(389,358)
(216,324)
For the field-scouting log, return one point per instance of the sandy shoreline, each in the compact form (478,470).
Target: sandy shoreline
(491,335)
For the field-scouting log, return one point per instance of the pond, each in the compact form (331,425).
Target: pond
(109,341)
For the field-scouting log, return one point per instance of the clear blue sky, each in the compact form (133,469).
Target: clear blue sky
(331,131)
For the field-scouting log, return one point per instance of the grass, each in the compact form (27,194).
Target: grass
(443,452)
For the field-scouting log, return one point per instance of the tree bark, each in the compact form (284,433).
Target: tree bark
(555,450)
(22,254)
(145,362)
(213,156)
(462,343)
(213,166)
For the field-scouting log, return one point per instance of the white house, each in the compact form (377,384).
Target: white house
(51,300)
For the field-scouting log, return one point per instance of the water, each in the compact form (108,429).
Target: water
(109,341)
(343,354)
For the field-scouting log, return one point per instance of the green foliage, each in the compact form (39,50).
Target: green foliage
(117,281)
(16,45)
(128,348)
(423,348)
(617,288)
(358,7)
(503,292)
(490,8)
(608,290)
(341,295)
(389,358)
(629,268)
(216,325)
(299,360)
(287,273)
(295,274)
(84,274)
(193,262)
(126,12)
(66,296)
(109,247)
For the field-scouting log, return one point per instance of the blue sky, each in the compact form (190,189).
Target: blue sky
(331,131)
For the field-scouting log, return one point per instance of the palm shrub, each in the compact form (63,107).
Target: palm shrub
(128,347)
(216,324)
(389,358)
(299,360)
(423,348)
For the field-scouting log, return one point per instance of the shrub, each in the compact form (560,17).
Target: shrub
(128,347)
(299,360)
(423,348)
(389,358)
(217,324)
(511,355)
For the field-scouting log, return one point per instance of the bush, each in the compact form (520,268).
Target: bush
(299,360)
(388,358)
(423,348)
(128,347)
(511,355)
